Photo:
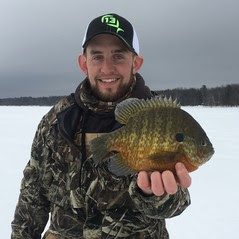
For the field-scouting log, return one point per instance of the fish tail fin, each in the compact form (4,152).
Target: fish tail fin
(99,148)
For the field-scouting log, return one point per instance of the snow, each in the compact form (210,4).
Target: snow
(214,212)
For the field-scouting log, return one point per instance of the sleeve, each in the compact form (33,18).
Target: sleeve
(162,207)
(32,210)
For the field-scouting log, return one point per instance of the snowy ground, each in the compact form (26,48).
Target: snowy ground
(214,212)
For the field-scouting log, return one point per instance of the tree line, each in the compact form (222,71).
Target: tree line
(219,96)
(23,101)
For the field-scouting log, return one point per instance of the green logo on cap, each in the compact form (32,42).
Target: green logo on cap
(110,20)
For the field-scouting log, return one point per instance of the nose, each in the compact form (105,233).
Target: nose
(107,67)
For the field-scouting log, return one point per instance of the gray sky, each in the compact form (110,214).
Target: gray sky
(185,43)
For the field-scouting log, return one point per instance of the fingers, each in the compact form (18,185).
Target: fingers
(157,183)
(184,178)
(144,183)
(166,182)
(169,182)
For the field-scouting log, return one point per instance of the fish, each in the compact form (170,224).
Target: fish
(156,133)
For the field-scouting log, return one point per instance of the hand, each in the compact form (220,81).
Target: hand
(159,183)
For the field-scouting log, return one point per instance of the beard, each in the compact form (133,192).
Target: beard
(111,96)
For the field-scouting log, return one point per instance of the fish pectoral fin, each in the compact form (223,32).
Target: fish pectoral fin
(99,149)
(117,166)
(163,156)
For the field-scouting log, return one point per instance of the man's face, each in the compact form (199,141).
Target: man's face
(110,67)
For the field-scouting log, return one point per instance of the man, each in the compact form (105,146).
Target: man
(85,201)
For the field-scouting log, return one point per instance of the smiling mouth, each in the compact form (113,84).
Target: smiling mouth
(111,80)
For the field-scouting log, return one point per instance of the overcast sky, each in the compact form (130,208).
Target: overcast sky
(185,43)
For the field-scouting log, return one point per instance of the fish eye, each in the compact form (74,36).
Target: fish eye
(203,142)
(180,137)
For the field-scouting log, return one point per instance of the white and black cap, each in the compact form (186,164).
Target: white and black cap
(115,25)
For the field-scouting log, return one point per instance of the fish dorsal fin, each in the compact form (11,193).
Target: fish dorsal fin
(132,106)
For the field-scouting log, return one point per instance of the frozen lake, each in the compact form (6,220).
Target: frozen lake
(214,212)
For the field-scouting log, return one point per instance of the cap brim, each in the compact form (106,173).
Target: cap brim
(110,33)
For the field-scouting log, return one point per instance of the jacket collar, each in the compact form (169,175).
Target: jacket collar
(86,100)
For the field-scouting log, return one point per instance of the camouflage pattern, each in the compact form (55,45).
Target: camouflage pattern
(84,202)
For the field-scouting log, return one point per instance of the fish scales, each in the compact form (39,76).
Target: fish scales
(156,134)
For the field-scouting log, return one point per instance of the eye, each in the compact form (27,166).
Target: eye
(97,57)
(180,137)
(203,142)
(118,56)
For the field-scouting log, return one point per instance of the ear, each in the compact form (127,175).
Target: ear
(82,63)
(137,63)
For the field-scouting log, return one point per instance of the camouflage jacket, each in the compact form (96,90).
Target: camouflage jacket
(83,201)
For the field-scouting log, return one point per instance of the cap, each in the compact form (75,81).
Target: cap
(115,25)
